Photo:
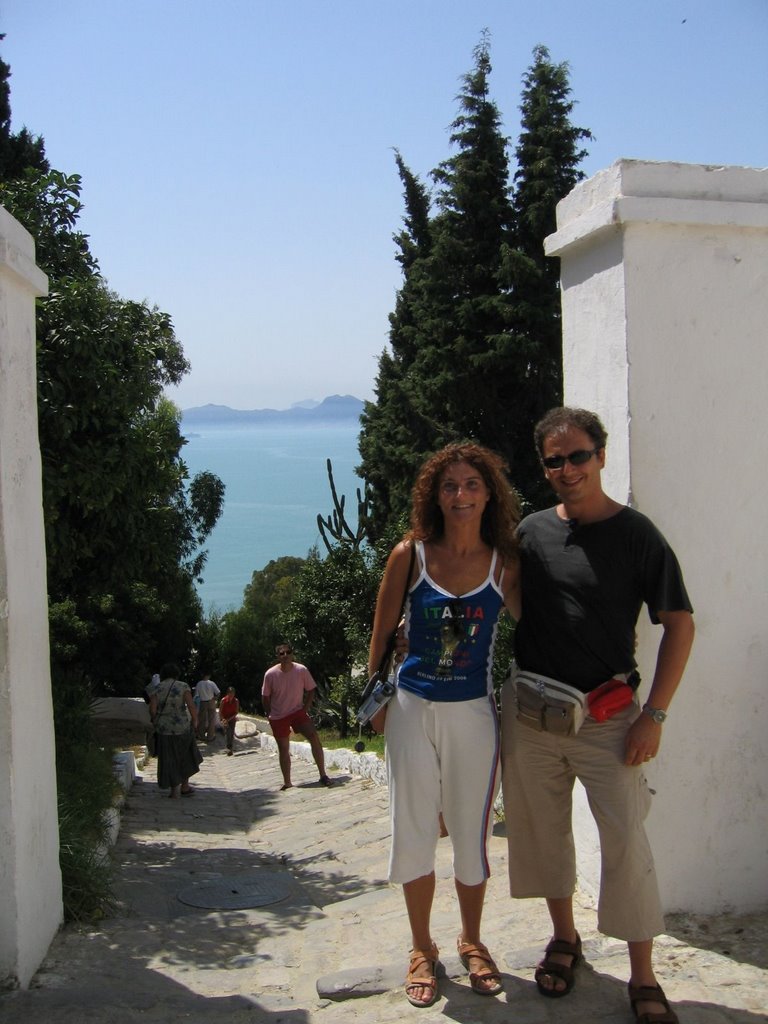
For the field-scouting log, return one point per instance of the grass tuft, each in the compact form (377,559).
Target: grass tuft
(330,739)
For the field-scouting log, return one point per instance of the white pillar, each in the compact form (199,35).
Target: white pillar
(665,333)
(30,880)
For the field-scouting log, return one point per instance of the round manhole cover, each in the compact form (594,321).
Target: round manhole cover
(238,892)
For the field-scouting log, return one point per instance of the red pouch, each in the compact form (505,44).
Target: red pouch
(608,699)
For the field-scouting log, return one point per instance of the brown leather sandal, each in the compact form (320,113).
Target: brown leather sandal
(556,970)
(419,957)
(490,972)
(648,994)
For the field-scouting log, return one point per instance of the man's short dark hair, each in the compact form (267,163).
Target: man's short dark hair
(562,418)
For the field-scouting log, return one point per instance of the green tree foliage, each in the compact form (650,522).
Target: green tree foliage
(271,589)
(20,150)
(239,646)
(548,155)
(474,337)
(322,605)
(330,614)
(123,530)
(86,792)
(329,623)
(396,429)
(123,524)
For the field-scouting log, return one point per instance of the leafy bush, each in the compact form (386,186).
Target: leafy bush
(86,871)
(87,788)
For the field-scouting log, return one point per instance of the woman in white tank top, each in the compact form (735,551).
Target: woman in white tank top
(463,520)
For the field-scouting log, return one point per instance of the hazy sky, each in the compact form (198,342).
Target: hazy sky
(237,161)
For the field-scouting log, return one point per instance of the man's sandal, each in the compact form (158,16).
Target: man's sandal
(418,959)
(651,994)
(490,972)
(558,972)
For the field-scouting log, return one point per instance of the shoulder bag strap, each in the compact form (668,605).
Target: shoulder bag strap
(168,694)
(390,648)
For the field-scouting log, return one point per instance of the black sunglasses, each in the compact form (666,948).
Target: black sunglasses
(577,458)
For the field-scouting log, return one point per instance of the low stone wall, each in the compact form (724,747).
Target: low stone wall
(125,770)
(369,766)
(121,722)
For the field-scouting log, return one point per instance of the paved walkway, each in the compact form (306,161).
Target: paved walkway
(333,948)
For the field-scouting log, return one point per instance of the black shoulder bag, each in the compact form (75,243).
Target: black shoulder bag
(152,744)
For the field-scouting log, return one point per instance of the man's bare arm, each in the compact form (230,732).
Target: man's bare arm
(644,738)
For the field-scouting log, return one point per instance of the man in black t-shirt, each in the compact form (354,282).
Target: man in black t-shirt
(587,567)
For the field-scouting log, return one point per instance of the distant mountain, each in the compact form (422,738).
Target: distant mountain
(334,409)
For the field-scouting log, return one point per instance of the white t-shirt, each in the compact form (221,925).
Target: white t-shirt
(206,689)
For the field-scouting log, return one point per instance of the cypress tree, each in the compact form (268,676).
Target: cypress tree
(22,150)
(468,302)
(124,524)
(395,433)
(548,155)
(475,348)
(432,387)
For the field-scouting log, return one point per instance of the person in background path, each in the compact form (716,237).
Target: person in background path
(287,695)
(206,693)
(173,713)
(587,567)
(228,711)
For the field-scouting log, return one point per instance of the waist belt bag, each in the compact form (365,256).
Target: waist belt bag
(548,705)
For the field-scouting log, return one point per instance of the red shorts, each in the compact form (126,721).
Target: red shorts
(297,720)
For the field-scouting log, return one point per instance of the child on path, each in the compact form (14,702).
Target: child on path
(228,712)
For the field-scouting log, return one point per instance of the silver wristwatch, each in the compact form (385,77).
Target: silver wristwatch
(656,714)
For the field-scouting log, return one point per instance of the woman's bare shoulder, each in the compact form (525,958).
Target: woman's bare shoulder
(401,552)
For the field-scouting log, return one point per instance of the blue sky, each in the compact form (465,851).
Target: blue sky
(237,161)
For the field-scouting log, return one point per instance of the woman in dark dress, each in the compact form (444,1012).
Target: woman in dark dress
(174,715)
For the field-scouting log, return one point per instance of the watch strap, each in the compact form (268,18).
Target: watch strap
(656,714)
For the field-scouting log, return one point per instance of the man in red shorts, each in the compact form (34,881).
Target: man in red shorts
(287,695)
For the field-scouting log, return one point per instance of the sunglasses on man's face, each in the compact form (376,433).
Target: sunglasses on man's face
(577,458)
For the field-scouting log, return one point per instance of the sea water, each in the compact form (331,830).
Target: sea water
(276,484)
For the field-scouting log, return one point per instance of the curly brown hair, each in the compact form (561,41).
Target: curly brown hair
(501,515)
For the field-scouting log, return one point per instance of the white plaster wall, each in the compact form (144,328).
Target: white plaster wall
(665,307)
(30,881)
